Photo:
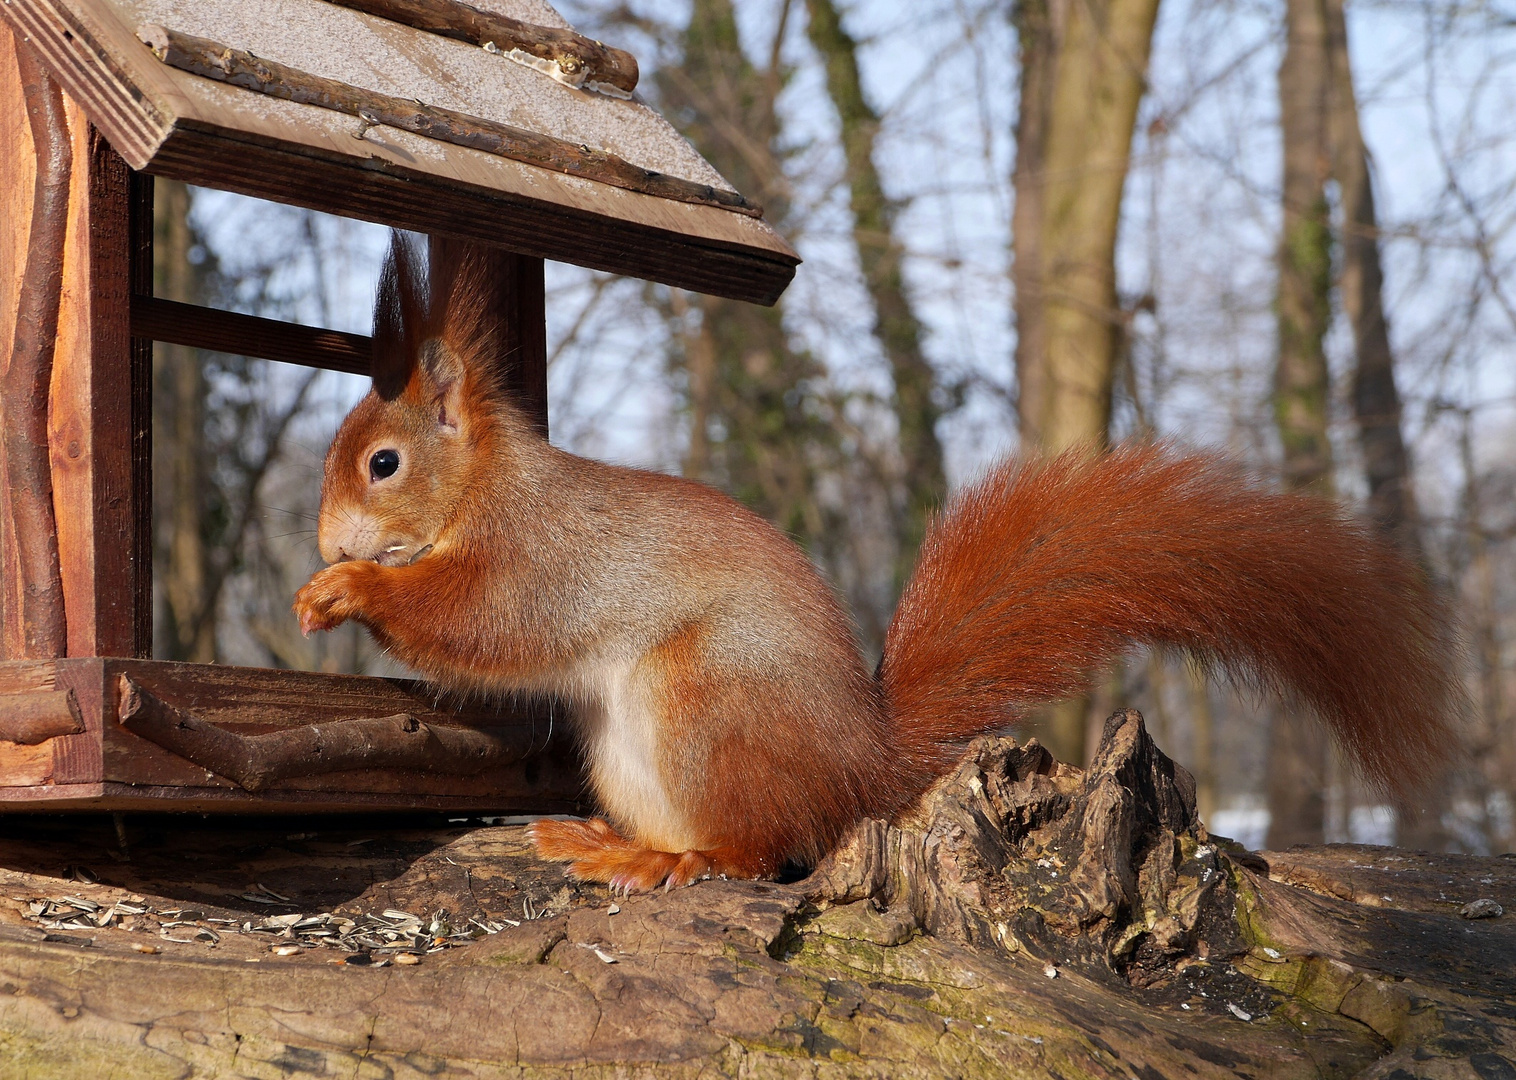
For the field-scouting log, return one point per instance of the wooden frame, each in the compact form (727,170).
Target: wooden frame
(528,146)
(67,737)
(101,764)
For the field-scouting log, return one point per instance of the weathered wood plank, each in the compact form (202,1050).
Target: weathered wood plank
(97,432)
(237,67)
(249,335)
(140,283)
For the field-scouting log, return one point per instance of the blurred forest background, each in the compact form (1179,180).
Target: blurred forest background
(1280,227)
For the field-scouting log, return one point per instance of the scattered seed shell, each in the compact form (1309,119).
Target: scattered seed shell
(1483,908)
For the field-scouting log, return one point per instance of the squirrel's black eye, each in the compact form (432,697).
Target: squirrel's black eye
(383,464)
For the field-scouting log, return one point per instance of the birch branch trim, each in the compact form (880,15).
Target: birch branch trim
(565,56)
(212,60)
(253,762)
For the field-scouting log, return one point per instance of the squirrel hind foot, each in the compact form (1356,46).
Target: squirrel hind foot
(570,841)
(596,852)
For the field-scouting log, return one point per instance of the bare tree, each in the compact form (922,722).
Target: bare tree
(220,427)
(1083,71)
(881,253)
(752,395)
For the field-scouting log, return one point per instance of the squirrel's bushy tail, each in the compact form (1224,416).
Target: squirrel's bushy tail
(1043,572)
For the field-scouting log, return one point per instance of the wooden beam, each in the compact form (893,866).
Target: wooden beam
(575,59)
(140,283)
(249,335)
(519,311)
(99,430)
(214,60)
(526,334)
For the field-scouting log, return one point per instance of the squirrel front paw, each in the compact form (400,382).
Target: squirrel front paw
(328,599)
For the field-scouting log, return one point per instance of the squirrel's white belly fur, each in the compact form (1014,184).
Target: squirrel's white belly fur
(620,732)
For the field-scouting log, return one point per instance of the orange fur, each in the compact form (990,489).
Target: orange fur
(728,721)
(1044,572)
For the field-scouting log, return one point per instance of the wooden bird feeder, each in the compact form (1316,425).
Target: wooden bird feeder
(492,124)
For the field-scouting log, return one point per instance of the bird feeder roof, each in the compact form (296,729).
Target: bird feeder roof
(527,139)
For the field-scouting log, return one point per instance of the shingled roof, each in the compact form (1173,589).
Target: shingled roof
(492,122)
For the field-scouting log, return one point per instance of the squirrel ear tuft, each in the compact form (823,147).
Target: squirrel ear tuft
(463,282)
(401,309)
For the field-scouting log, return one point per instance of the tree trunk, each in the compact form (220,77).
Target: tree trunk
(1376,400)
(1083,71)
(881,254)
(1097,83)
(1037,26)
(179,444)
(1302,384)
(1037,921)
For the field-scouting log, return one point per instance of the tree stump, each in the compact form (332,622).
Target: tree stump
(1031,919)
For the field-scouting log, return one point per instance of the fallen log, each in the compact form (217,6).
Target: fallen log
(1128,948)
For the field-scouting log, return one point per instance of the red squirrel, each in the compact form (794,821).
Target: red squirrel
(728,721)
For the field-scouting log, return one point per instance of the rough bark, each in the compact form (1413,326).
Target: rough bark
(32,718)
(575,59)
(1302,384)
(1035,921)
(1037,22)
(253,762)
(881,256)
(35,625)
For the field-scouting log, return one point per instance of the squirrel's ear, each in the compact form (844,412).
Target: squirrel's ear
(400,315)
(442,371)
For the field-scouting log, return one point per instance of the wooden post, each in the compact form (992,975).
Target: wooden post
(522,314)
(100,430)
(36,149)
